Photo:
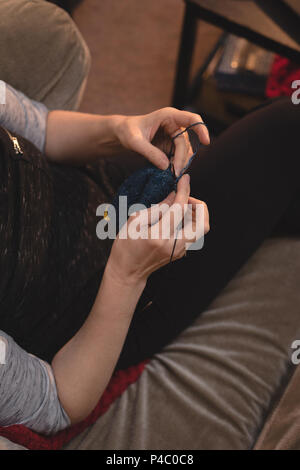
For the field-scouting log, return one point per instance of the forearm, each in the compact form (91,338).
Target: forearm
(79,138)
(83,367)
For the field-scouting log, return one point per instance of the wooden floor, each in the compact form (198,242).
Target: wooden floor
(134,46)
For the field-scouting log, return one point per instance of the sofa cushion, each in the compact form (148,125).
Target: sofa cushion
(213,387)
(40,40)
(21,435)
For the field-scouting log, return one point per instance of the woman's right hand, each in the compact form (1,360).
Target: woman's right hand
(133,259)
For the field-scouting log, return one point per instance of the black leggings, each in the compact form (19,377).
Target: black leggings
(250,179)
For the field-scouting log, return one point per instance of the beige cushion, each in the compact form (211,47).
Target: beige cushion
(213,387)
(42,52)
(5,444)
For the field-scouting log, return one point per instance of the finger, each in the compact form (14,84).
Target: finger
(179,250)
(152,153)
(175,118)
(169,199)
(194,202)
(172,218)
(183,190)
(183,151)
(192,229)
(153,214)
(157,211)
(196,222)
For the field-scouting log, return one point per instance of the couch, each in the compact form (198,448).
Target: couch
(228,381)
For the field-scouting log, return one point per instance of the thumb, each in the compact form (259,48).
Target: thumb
(183,189)
(157,211)
(154,213)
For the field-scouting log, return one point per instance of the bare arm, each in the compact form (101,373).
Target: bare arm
(79,138)
(83,367)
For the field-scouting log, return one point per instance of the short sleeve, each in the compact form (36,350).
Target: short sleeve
(23,116)
(28,393)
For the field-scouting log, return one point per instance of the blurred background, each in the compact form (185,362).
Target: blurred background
(134,46)
(217,57)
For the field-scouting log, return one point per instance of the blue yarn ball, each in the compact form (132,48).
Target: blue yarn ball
(147,186)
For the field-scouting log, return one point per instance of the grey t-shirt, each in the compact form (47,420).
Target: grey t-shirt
(23,116)
(28,393)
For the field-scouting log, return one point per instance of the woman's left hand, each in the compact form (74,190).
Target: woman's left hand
(137,132)
(80,138)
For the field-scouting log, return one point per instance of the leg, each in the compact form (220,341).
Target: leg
(249,177)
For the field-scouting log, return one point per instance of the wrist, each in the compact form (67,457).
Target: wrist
(115,122)
(123,279)
(107,133)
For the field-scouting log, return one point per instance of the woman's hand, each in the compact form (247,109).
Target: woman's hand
(145,243)
(80,138)
(138,133)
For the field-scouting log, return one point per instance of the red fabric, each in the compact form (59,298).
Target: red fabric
(283,73)
(33,441)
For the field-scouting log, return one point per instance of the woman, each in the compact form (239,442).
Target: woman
(64,303)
